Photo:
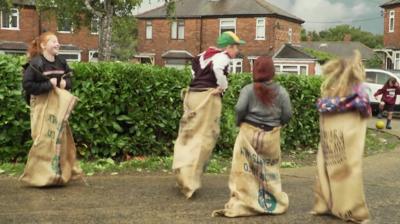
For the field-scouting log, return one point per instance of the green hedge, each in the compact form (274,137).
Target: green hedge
(135,109)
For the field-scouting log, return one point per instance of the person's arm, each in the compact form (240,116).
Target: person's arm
(32,86)
(220,61)
(66,82)
(286,106)
(241,107)
(379,92)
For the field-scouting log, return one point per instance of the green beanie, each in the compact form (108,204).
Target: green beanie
(228,38)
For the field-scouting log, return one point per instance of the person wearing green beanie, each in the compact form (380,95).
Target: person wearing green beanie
(199,126)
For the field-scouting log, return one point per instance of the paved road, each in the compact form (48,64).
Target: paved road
(395,126)
(152,198)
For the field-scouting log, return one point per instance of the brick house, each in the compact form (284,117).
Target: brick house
(23,24)
(173,43)
(391,36)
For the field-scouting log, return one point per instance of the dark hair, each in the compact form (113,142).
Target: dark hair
(264,71)
(392,81)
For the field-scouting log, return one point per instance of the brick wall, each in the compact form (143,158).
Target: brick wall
(28,27)
(392,39)
(82,38)
(29,30)
(162,41)
(276,36)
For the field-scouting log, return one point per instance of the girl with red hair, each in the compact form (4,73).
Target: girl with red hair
(46,82)
(263,107)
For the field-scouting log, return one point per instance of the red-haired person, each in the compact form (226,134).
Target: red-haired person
(46,81)
(262,109)
(389,94)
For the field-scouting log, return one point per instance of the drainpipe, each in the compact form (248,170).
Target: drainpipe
(201,34)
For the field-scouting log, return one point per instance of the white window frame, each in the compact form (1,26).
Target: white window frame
(234,64)
(178,29)
(95,19)
(12,14)
(221,21)
(297,70)
(396,60)
(91,54)
(392,20)
(252,59)
(65,31)
(260,23)
(290,35)
(71,53)
(148,29)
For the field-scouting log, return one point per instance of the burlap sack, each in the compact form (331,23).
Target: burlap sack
(198,133)
(254,181)
(51,160)
(339,185)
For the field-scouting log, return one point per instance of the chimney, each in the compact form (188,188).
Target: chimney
(347,37)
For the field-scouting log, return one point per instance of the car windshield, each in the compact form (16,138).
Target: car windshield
(396,73)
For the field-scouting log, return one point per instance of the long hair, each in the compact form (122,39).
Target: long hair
(341,75)
(264,71)
(389,83)
(35,48)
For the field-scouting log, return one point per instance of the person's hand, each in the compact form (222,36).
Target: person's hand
(218,91)
(63,84)
(53,82)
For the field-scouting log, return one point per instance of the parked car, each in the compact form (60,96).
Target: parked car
(375,80)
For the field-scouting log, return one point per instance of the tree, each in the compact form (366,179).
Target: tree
(81,12)
(124,37)
(338,33)
(5,5)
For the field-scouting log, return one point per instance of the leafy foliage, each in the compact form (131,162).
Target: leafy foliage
(127,109)
(338,33)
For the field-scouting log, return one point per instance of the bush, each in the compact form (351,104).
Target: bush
(135,109)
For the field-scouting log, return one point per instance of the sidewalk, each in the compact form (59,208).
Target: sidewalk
(395,126)
(152,198)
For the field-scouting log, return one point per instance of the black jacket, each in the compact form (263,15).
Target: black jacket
(36,83)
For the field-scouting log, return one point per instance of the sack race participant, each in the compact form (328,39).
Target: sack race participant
(389,94)
(255,182)
(51,160)
(199,126)
(344,109)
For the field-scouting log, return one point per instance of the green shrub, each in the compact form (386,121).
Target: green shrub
(135,109)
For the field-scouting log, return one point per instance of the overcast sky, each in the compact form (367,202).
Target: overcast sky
(322,14)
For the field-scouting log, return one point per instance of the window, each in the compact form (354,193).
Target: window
(382,78)
(290,35)
(227,25)
(10,20)
(178,30)
(236,65)
(252,59)
(70,56)
(95,25)
(291,69)
(371,77)
(397,61)
(149,30)
(177,63)
(260,29)
(93,56)
(391,21)
(64,25)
